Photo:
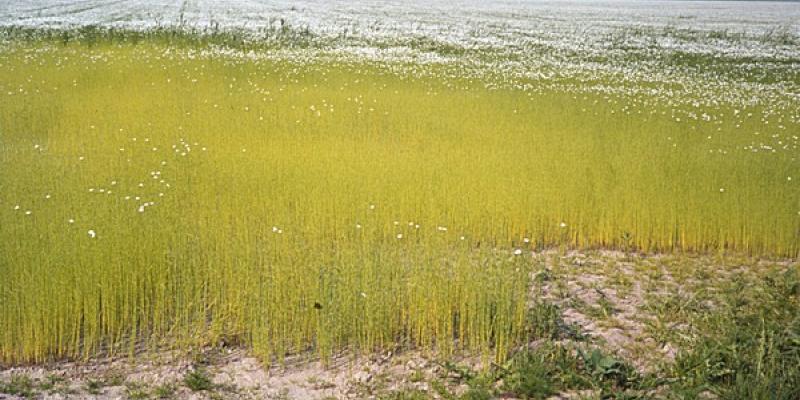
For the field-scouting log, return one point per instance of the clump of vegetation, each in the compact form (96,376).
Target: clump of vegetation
(94,386)
(54,384)
(551,369)
(198,380)
(750,348)
(137,391)
(164,391)
(19,385)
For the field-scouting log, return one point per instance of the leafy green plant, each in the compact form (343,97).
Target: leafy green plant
(165,391)
(18,385)
(137,391)
(751,348)
(544,319)
(94,386)
(603,367)
(198,380)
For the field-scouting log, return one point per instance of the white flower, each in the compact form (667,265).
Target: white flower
(526,240)
(71,221)
(141,208)
(563,224)
(92,233)
(462,238)
(358,226)
(364,295)
(399,235)
(517,252)
(722,190)
(113,183)
(275,229)
(372,206)
(28,212)
(16,207)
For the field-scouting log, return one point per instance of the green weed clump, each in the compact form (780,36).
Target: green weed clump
(18,385)
(751,348)
(551,369)
(198,380)
(156,195)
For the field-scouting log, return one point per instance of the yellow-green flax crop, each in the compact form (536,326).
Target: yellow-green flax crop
(154,196)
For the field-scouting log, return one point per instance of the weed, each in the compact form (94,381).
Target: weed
(19,385)
(94,386)
(198,380)
(751,347)
(165,391)
(137,391)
